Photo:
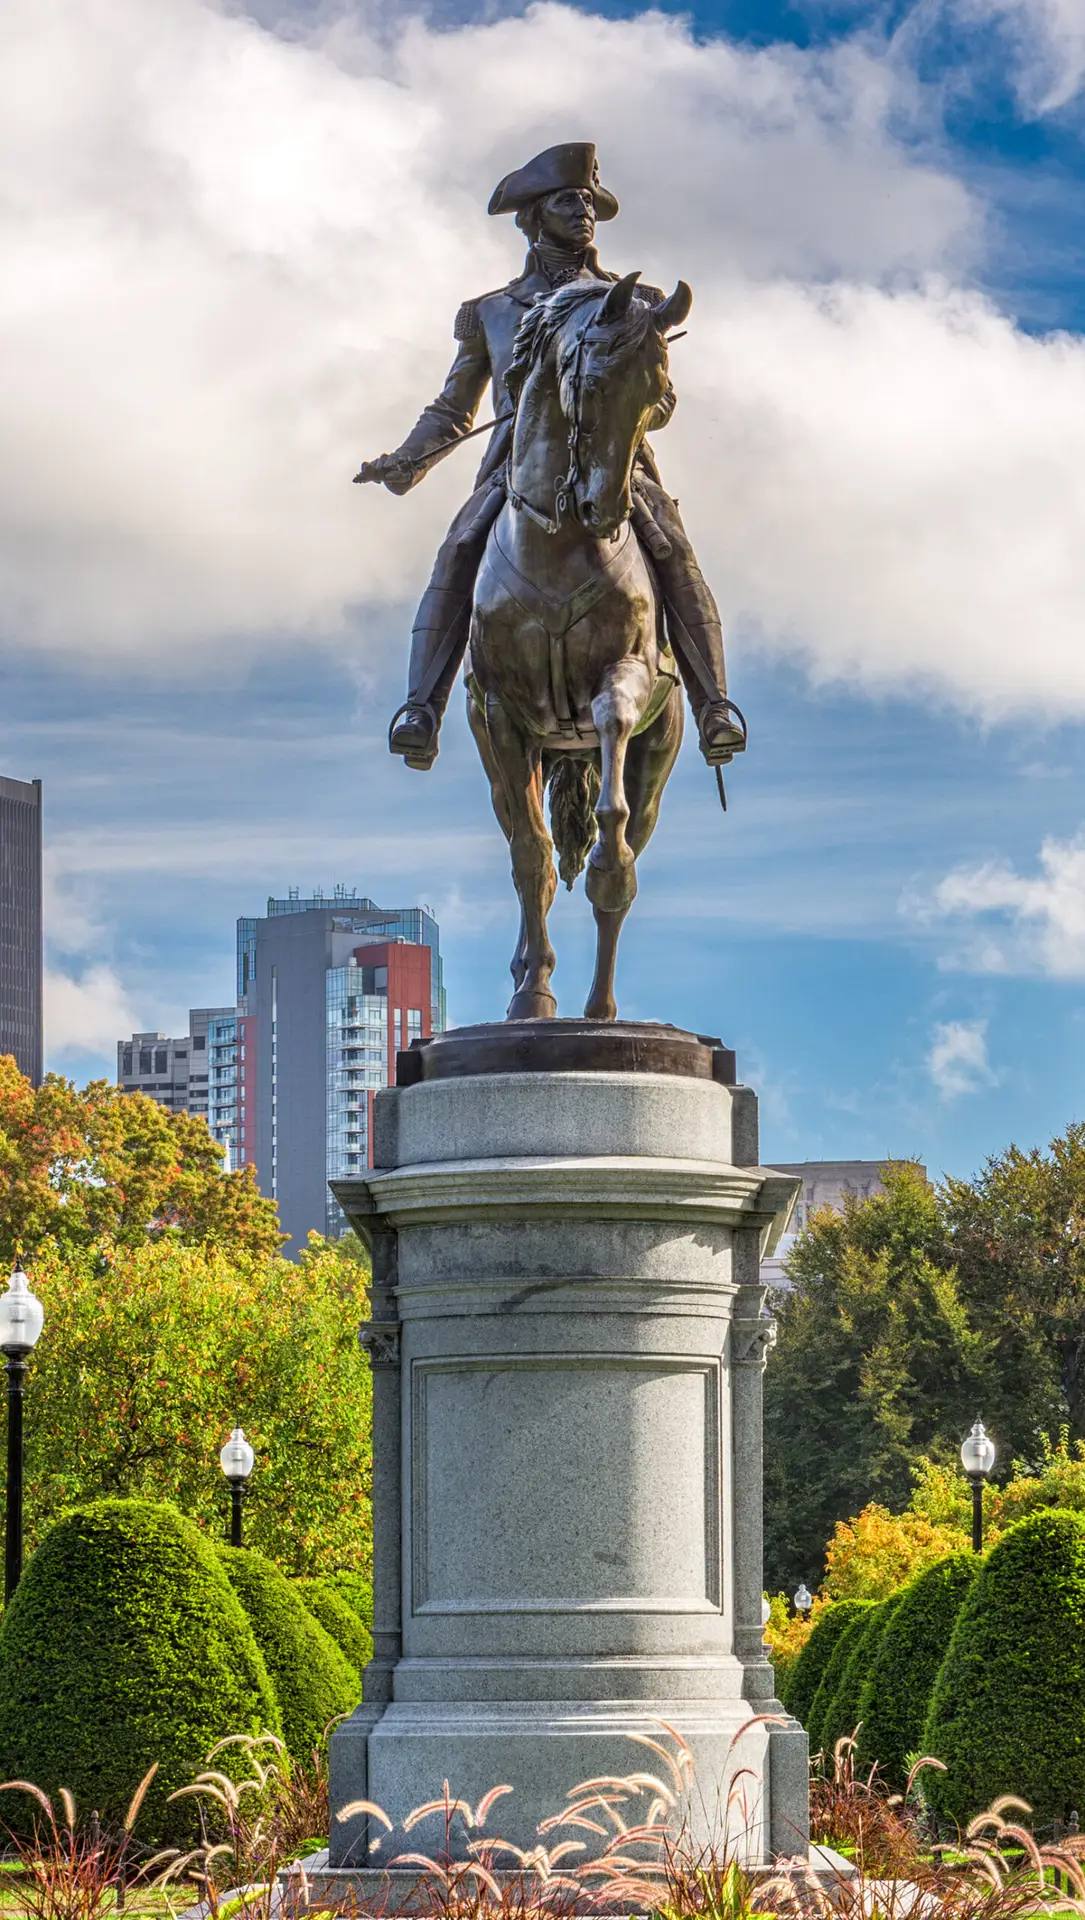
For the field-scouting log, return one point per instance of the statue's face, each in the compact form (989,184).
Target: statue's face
(567,218)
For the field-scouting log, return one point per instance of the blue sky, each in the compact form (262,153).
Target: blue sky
(227,296)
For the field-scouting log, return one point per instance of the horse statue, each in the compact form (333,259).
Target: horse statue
(571,684)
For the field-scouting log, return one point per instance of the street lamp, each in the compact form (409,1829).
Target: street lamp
(21,1320)
(804,1599)
(236,1461)
(977,1458)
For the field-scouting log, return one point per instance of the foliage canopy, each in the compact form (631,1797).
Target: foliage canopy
(313,1681)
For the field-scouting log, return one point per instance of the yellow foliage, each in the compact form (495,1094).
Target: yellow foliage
(877,1552)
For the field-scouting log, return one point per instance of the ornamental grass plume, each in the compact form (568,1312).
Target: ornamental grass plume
(68,1870)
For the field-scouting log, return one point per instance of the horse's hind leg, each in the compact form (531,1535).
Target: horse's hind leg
(519,765)
(648,763)
(476,720)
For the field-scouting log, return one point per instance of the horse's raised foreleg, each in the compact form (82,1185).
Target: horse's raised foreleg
(648,762)
(519,764)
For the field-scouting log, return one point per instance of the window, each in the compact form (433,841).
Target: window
(199,1041)
(127,1062)
(145,1059)
(181,1054)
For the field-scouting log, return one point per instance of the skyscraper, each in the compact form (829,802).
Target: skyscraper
(331,989)
(20,925)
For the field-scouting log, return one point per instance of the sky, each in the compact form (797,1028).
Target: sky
(235,239)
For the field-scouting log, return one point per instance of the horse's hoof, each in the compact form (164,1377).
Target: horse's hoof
(532,1003)
(601,1010)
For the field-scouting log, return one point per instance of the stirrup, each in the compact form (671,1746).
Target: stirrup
(420,761)
(721,754)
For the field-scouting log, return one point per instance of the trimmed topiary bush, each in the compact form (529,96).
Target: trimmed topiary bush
(841,1716)
(313,1680)
(1007,1714)
(897,1689)
(830,1679)
(800,1684)
(125,1644)
(351,1636)
(357,1591)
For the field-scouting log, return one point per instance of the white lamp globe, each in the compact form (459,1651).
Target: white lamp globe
(237,1457)
(978,1451)
(21,1315)
(804,1599)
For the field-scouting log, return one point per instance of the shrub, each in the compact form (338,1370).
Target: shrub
(834,1668)
(311,1677)
(357,1591)
(841,1715)
(337,1617)
(897,1688)
(801,1683)
(1007,1714)
(124,1644)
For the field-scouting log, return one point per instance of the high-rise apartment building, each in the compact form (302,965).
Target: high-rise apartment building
(20,925)
(331,988)
(176,1073)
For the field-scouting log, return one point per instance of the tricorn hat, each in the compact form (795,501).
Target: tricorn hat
(573,165)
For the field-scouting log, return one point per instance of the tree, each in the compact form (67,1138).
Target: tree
(90,1166)
(125,1645)
(898,1684)
(1008,1707)
(878,1362)
(1017,1237)
(152,1353)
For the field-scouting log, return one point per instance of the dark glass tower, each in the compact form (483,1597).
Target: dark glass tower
(20,924)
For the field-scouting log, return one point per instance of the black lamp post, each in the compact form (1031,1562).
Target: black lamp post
(977,1458)
(236,1461)
(21,1320)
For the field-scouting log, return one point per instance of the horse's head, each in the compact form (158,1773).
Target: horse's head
(612,375)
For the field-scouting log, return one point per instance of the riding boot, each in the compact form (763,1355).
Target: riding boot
(693,621)
(441,628)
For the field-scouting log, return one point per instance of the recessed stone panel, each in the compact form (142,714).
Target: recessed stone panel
(563,1483)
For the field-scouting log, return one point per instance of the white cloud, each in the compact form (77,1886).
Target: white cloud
(1048,46)
(1019,923)
(86,1014)
(957,1061)
(232,260)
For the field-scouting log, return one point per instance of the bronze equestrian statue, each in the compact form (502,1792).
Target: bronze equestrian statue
(568,570)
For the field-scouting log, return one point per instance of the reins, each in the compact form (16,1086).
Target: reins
(565,488)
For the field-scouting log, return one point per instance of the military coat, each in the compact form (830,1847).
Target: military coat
(485,331)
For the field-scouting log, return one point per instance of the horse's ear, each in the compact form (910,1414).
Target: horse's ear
(675,310)
(618,300)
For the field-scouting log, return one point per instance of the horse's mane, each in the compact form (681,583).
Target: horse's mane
(547,315)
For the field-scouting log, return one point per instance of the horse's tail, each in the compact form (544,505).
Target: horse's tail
(574,790)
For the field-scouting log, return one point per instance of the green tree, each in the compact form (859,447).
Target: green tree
(899,1680)
(83,1166)
(1007,1714)
(877,1363)
(124,1645)
(150,1357)
(842,1714)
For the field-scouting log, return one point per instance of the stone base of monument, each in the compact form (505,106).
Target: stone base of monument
(567,1222)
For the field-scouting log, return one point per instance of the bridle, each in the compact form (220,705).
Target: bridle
(565,487)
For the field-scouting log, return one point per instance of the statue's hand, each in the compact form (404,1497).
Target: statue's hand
(387,467)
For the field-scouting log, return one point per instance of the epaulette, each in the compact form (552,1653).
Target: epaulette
(467,322)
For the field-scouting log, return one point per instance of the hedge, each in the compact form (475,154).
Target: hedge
(896,1693)
(313,1680)
(838,1660)
(325,1601)
(124,1644)
(841,1716)
(357,1591)
(1007,1714)
(797,1687)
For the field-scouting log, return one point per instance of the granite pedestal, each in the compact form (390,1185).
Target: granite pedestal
(568,1338)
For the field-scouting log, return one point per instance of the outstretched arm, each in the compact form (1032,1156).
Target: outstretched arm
(447,418)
